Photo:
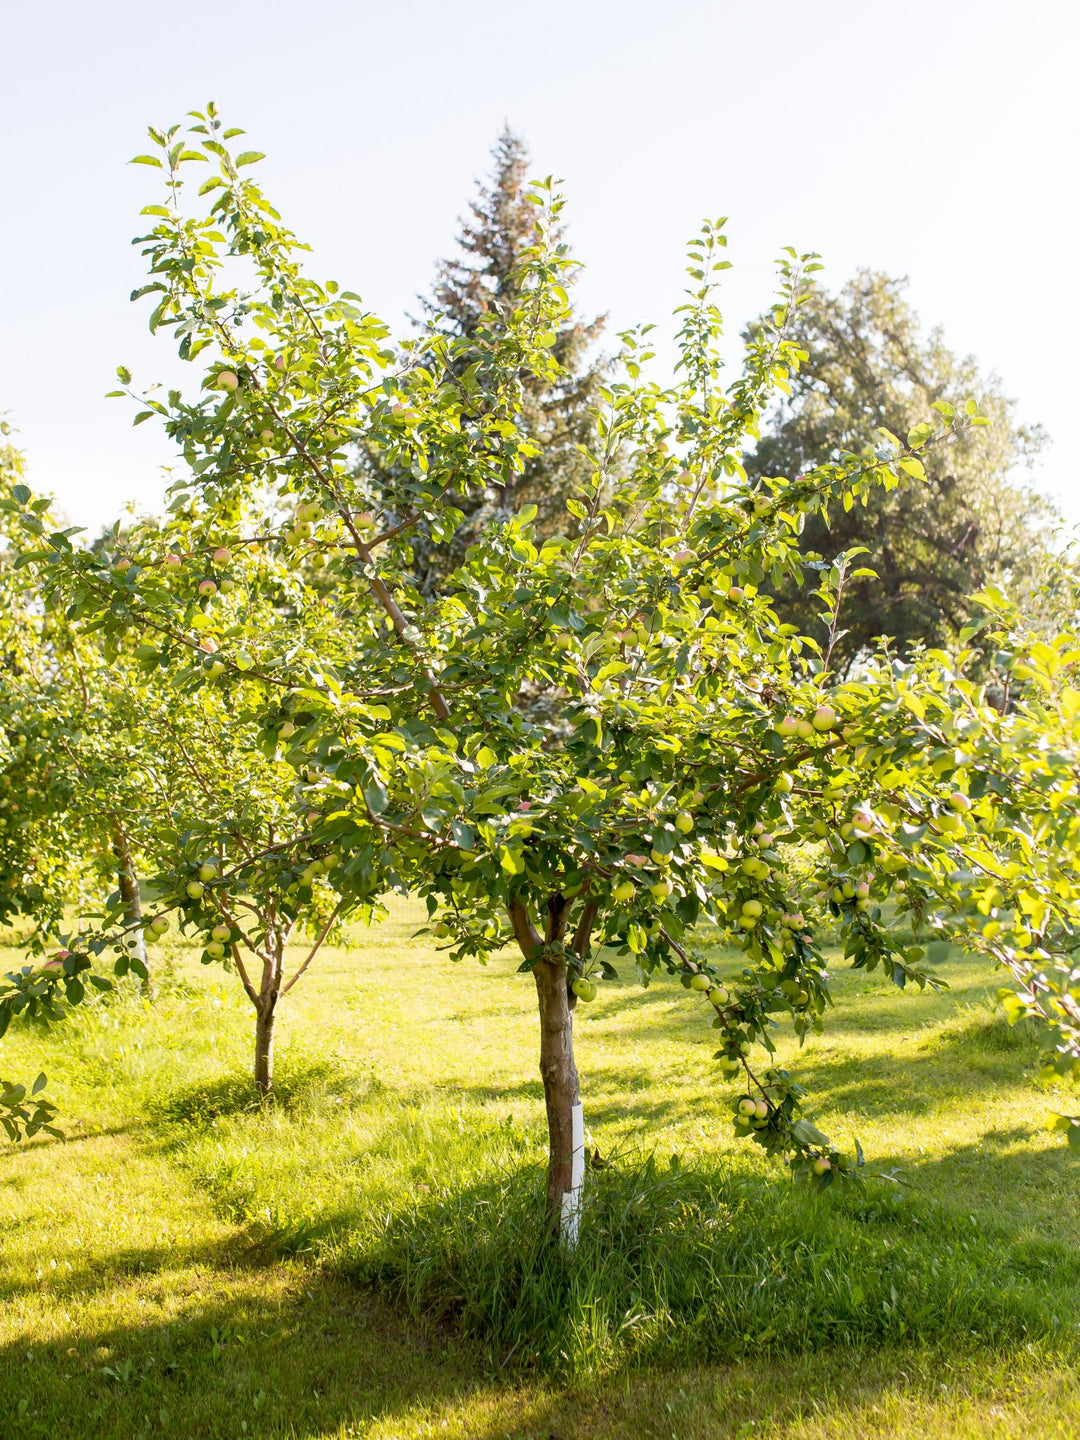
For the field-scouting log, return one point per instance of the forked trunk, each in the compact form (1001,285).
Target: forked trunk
(264,1045)
(132,902)
(566,1139)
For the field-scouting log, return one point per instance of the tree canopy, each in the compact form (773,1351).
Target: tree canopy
(940,535)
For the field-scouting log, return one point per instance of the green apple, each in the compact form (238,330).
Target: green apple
(159,924)
(221,933)
(700,981)
(761,1109)
(719,996)
(821,1165)
(752,907)
(624,892)
(959,801)
(216,949)
(747,1107)
(824,718)
(195,889)
(684,822)
(286,731)
(227,380)
(207,872)
(787,727)
(584,989)
(266,436)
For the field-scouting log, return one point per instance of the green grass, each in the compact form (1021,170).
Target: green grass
(363,1257)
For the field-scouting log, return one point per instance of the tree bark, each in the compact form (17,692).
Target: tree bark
(561,1097)
(264,1045)
(132,900)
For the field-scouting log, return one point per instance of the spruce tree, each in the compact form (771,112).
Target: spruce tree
(472,289)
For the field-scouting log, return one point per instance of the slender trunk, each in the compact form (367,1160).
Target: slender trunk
(132,901)
(264,1046)
(566,1143)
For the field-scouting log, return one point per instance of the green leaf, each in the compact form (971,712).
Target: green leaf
(248,157)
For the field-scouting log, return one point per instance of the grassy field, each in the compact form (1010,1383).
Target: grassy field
(361,1259)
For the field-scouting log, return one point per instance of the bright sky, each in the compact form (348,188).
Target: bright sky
(933,140)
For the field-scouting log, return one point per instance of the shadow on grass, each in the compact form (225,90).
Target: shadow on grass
(675,1270)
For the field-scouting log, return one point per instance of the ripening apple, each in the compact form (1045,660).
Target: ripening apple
(220,933)
(207,587)
(173,561)
(959,801)
(207,872)
(803,729)
(661,890)
(195,889)
(222,555)
(287,731)
(735,593)
(719,996)
(751,907)
(761,1109)
(266,436)
(821,1164)
(787,726)
(684,822)
(122,565)
(700,981)
(227,380)
(624,892)
(747,922)
(215,949)
(824,718)
(636,860)
(747,1107)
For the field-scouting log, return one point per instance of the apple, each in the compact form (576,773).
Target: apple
(584,989)
(761,1109)
(824,718)
(803,729)
(700,981)
(784,783)
(735,593)
(684,822)
(220,933)
(121,566)
(787,726)
(747,922)
(216,949)
(195,889)
(751,907)
(266,436)
(173,561)
(661,890)
(215,669)
(747,1107)
(159,924)
(637,860)
(207,872)
(222,555)
(658,857)
(624,892)
(848,889)
(227,380)
(719,996)
(207,587)
(959,801)
(862,889)
(287,731)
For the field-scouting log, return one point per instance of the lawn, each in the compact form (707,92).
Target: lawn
(361,1258)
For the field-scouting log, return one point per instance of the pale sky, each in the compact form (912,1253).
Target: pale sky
(933,140)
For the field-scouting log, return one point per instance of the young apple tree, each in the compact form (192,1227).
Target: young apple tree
(595,743)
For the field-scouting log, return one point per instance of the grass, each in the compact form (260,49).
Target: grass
(361,1258)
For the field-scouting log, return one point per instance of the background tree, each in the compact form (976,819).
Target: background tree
(694,749)
(481,283)
(935,540)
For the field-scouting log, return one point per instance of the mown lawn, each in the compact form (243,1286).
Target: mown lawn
(361,1258)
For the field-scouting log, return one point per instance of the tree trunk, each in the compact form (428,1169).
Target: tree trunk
(264,1045)
(132,900)
(566,1141)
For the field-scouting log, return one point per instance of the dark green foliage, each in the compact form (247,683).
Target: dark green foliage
(932,542)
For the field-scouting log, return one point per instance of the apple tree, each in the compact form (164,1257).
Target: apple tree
(596,745)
